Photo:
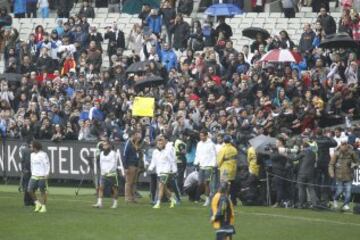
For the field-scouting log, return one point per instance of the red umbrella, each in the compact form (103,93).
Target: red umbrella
(281,55)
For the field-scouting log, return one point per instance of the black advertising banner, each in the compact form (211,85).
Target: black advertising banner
(68,159)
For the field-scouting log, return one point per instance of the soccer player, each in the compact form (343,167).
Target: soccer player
(108,171)
(222,213)
(205,159)
(40,169)
(164,162)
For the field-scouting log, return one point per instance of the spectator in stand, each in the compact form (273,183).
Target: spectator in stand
(223,28)
(114,6)
(31,8)
(145,12)
(64,7)
(5,18)
(307,38)
(168,14)
(258,5)
(185,7)
(43,6)
(168,57)
(116,39)
(327,22)
(181,31)
(318,4)
(95,36)
(19,8)
(87,10)
(289,8)
(154,22)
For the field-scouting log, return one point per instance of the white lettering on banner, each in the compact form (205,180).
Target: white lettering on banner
(94,150)
(52,158)
(62,160)
(72,170)
(11,158)
(1,163)
(84,160)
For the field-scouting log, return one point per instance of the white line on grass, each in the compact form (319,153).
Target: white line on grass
(238,212)
(299,218)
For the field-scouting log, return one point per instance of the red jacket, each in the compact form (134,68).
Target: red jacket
(68,64)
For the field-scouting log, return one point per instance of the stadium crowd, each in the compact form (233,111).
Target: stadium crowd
(209,89)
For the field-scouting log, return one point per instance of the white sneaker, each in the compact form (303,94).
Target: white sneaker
(346,207)
(207,202)
(114,206)
(98,205)
(335,204)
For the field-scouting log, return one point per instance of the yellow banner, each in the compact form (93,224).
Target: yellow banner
(143,107)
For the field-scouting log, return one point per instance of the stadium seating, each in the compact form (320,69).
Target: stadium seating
(274,22)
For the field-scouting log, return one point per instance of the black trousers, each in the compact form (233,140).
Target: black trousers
(31,10)
(28,201)
(223,236)
(303,184)
(180,177)
(279,185)
(289,12)
(322,178)
(191,192)
(153,187)
(19,15)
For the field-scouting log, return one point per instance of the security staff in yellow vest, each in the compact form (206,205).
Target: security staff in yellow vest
(226,160)
(222,213)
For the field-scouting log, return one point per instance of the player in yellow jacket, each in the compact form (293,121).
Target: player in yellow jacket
(222,213)
(226,160)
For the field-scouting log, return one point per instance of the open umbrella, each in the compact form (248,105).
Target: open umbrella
(281,55)
(338,40)
(252,32)
(139,67)
(148,81)
(223,9)
(261,142)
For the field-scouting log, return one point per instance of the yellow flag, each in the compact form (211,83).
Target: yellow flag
(143,107)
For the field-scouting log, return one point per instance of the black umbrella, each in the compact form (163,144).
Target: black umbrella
(139,67)
(338,40)
(252,32)
(148,81)
(11,77)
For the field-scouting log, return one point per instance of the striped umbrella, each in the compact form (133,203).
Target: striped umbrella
(281,55)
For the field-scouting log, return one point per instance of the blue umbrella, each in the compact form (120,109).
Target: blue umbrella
(223,9)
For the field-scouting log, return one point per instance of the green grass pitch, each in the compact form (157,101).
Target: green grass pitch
(73,218)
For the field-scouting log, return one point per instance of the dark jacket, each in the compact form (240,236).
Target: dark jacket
(306,41)
(226,29)
(116,37)
(168,14)
(328,23)
(278,163)
(307,160)
(324,144)
(87,12)
(186,7)
(181,34)
(131,156)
